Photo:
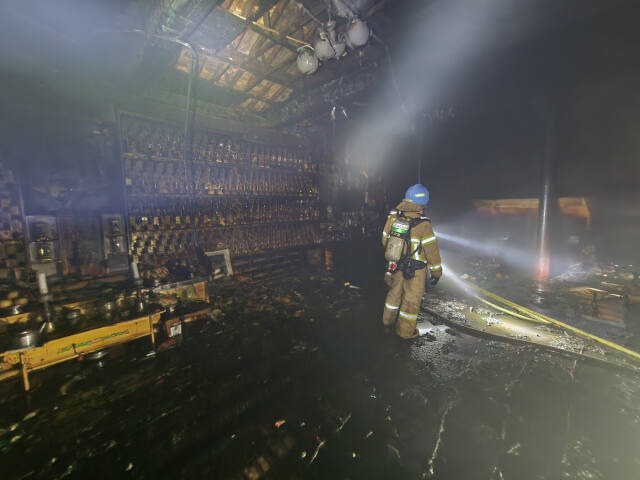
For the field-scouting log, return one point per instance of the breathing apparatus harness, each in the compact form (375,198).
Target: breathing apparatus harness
(400,237)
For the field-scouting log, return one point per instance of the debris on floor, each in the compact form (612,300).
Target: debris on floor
(298,396)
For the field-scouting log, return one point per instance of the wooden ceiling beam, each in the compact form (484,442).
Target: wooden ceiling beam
(235,94)
(265,7)
(255,97)
(263,39)
(248,6)
(276,37)
(235,79)
(238,40)
(264,48)
(248,64)
(221,74)
(285,5)
(270,58)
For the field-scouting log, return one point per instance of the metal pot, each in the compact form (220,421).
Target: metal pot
(26,339)
(121,300)
(108,309)
(13,310)
(74,316)
(96,355)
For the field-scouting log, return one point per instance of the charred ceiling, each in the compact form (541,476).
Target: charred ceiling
(252,54)
(245,50)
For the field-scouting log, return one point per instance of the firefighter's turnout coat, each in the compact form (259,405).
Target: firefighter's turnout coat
(404,297)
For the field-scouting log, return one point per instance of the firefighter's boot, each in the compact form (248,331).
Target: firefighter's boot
(406,328)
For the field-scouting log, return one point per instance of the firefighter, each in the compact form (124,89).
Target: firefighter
(411,250)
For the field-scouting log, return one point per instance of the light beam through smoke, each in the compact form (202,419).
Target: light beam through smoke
(436,57)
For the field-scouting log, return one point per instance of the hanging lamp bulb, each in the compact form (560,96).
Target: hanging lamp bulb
(307,61)
(324,49)
(358,33)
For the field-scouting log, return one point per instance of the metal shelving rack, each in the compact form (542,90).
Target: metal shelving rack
(13,240)
(194,182)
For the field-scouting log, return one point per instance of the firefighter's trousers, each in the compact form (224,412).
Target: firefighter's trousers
(402,304)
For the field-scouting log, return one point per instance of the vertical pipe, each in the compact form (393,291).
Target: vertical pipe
(545,206)
(420,148)
(186,153)
(125,197)
(187,120)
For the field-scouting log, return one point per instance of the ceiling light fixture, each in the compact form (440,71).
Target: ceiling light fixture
(330,45)
(333,44)
(358,33)
(307,61)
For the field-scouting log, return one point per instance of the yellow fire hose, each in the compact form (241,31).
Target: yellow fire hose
(509,312)
(535,316)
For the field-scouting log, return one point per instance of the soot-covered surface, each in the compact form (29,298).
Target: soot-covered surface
(296,379)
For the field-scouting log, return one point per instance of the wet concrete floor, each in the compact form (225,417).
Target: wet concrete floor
(296,379)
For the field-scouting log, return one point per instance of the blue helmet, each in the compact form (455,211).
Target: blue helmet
(417,194)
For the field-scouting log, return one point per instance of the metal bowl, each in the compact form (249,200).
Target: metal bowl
(26,339)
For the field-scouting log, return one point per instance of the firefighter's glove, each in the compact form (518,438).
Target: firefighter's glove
(434,281)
